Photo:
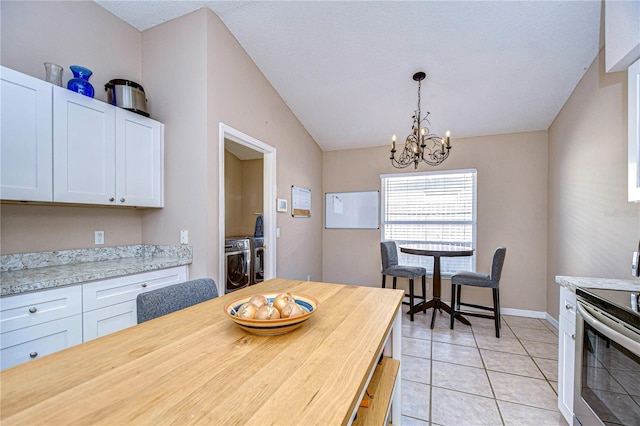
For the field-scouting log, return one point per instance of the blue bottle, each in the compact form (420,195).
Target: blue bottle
(80,81)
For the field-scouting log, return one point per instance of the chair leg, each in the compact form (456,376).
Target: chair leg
(411,298)
(394,283)
(424,294)
(496,311)
(458,297)
(453,305)
(384,280)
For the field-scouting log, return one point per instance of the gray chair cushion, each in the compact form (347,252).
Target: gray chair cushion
(389,254)
(162,301)
(472,278)
(405,271)
(483,280)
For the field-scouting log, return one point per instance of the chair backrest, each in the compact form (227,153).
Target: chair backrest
(155,303)
(389,253)
(496,265)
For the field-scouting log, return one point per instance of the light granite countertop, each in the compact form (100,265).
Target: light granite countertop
(21,273)
(572,283)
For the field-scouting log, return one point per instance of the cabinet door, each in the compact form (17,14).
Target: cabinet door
(634,131)
(83,148)
(139,160)
(26,138)
(566,361)
(29,343)
(100,322)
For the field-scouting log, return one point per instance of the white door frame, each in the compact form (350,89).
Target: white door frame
(269,199)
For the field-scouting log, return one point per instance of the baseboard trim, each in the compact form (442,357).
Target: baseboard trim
(523,313)
(552,321)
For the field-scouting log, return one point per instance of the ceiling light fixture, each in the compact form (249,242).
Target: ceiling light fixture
(421,145)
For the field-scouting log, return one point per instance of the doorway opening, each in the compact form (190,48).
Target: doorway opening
(240,148)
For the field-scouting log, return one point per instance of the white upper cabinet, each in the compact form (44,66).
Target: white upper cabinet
(634,132)
(105,155)
(139,160)
(26,138)
(62,147)
(84,155)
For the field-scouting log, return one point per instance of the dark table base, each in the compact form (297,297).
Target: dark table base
(437,305)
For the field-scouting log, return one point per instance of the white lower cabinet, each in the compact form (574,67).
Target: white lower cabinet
(566,353)
(42,322)
(39,323)
(29,343)
(103,321)
(110,305)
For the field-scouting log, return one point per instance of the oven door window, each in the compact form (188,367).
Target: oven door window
(610,379)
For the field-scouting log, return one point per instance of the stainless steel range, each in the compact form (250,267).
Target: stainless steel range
(607,367)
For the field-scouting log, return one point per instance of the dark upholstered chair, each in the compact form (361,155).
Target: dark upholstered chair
(479,280)
(389,252)
(165,300)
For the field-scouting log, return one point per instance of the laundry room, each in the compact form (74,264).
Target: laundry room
(244,235)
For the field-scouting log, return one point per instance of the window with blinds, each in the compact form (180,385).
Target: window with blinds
(433,208)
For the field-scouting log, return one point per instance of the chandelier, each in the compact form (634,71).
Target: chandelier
(421,145)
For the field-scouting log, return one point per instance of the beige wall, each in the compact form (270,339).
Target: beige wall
(67,33)
(512,211)
(593,230)
(195,75)
(252,194)
(224,85)
(244,188)
(232,195)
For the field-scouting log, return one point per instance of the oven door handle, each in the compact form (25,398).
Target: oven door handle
(608,329)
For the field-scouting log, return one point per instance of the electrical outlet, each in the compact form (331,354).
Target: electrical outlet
(184,237)
(99,238)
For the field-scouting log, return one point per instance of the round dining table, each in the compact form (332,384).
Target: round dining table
(437,251)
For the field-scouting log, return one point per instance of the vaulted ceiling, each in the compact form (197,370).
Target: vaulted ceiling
(345,67)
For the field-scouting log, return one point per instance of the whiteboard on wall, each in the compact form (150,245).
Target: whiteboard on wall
(352,210)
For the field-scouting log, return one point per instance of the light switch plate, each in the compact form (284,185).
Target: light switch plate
(635,268)
(184,237)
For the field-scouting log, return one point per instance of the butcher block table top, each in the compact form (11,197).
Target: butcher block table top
(198,366)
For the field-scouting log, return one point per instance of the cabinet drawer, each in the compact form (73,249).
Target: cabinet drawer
(568,305)
(34,342)
(103,321)
(25,310)
(104,293)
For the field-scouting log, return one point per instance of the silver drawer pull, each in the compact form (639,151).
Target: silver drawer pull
(33,309)
(569,307)
(122,200)
(144,285)
(573,336)
(111,199)
(33,354)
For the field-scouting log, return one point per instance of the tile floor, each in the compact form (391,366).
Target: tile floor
(466,376)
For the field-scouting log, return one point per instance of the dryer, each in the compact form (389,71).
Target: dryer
(238,263)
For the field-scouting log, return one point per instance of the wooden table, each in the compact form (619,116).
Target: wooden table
(197,366)
(437,251)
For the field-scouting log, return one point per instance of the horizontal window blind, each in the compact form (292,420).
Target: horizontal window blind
(434,208)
